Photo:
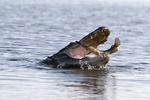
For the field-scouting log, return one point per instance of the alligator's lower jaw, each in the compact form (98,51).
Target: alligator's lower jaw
(65,61)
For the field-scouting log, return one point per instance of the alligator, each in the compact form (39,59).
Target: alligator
(76,54)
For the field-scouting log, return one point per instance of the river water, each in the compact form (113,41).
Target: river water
(31,30)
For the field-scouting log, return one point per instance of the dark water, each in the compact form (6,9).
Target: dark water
(32,30)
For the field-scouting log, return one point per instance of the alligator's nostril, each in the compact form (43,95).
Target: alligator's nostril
(106,31)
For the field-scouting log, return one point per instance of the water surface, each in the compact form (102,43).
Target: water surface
(32,30)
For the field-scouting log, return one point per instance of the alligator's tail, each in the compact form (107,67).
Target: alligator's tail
(114,48)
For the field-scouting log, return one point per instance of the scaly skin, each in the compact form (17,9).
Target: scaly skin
(89,44)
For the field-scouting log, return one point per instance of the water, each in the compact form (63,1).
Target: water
(31,30)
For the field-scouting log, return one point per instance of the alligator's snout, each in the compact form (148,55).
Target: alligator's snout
(105,31)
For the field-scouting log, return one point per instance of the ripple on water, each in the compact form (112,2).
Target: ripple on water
(31,31)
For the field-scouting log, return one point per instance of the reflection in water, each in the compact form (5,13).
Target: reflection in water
(96,83)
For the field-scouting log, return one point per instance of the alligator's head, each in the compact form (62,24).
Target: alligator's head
(95,38)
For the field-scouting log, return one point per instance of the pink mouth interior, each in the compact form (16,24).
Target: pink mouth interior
(79,52)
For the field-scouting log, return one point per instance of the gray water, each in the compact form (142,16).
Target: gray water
(31,30)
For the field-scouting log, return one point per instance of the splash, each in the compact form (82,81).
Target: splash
(86,65)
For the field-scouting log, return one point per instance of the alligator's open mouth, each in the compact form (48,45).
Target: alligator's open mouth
(74,53)
(99,36)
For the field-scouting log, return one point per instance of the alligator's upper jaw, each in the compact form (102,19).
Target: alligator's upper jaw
(97,37)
